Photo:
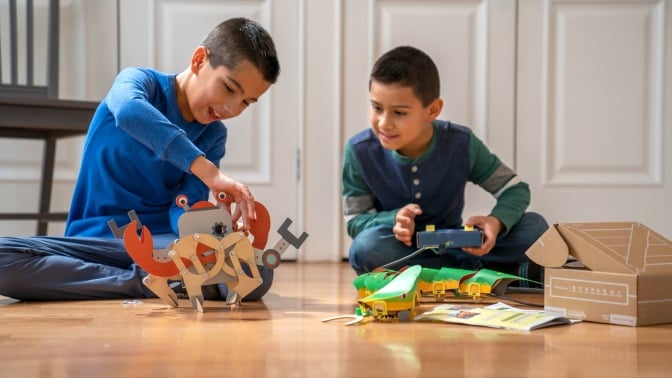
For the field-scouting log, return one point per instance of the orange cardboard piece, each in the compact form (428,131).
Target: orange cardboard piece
(626,276)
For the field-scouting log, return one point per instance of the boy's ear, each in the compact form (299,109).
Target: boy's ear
(435,108)
(198,59)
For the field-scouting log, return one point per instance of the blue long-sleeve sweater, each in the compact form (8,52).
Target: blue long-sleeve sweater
(137,155)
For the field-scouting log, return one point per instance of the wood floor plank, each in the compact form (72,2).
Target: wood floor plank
(283,336)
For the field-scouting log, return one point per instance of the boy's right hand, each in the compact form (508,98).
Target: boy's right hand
(242,196)
(404,225)
(217,181)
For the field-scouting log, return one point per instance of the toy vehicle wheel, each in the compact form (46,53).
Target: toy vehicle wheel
(404,316)
(270,258)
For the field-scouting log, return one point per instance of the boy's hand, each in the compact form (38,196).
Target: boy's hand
(404,226)
(217,181)
(491,227)
(241,196)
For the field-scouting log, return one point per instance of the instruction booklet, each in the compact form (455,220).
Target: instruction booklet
(498,315)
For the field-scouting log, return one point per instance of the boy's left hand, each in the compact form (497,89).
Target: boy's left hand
(491,227)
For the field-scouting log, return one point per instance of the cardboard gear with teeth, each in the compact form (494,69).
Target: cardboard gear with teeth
(623,272)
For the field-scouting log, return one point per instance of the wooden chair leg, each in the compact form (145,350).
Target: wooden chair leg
(48,163)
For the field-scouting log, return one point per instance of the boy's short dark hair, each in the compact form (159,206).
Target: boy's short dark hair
(409,67)
(238,39)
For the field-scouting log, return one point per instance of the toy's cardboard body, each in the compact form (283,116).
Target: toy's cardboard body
(623,274)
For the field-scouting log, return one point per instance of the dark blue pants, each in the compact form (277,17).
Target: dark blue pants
(71,268)
(377,246)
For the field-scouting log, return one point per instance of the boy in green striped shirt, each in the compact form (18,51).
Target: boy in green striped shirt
(410,170)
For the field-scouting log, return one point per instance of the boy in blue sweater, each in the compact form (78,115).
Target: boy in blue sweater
(153,137)
(409,170)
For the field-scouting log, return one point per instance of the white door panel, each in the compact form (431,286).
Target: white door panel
(263,141)
(594,100)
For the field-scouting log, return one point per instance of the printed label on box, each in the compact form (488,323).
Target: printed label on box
(591,291)
(623,319)
(556,311)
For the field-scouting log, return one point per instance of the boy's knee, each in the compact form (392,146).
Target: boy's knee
(361,250)
(369,239)
(538,220)
(358,247)
(532,225)
(354,258)
(375,247)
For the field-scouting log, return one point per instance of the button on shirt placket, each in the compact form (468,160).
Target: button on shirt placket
(416,182)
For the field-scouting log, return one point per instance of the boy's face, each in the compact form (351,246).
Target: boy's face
(399,119)
(222,93)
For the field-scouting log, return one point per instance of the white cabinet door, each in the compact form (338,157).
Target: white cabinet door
(263,142)
(473,45)
(594,107)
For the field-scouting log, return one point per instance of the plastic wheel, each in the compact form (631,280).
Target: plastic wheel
(270,258)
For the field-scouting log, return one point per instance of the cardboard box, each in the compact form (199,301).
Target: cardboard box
(623,272)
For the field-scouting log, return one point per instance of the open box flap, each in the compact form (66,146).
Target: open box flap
(617,247)
(599,246)
(550,250)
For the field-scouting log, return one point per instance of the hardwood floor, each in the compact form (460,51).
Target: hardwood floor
(283,336)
